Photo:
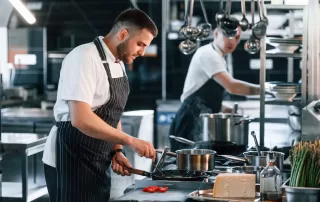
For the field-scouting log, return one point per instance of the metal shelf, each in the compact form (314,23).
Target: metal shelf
(284,7)
(274,101)
(13,191)
(270,54)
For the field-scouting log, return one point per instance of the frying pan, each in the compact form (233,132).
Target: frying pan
(221,147)
(175,175)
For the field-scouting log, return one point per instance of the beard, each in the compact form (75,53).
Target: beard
(122,51)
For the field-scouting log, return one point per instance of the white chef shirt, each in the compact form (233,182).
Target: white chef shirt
(205,63)
(82,78)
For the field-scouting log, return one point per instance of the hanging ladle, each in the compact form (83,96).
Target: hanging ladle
(264,17)
(229,26)
(244,24)
(252,46)
(188,46)
(220,14)
(260,28)
(204,28)
(187,30)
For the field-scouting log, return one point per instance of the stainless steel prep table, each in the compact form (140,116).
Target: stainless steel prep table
(25,145)
(177,190)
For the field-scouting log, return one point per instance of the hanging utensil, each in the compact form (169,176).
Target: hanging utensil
(265,19)
(187,47)
(244,23)
(220,14)
(205,29)
(252,46)
(253,134)
(229,26)
(260,28)
(187,30)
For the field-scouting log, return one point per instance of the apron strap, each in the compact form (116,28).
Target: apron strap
(100,50)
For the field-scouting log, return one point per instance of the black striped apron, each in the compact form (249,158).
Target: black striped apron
(82,161)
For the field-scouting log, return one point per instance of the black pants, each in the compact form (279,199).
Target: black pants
(51,180)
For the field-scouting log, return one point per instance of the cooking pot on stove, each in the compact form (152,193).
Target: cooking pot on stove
(255,160)
(251,158)
(196,159)
(190,159)
(226,127)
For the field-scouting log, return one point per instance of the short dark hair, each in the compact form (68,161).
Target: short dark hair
(133,18)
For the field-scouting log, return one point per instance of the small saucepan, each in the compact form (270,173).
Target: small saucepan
(194,159)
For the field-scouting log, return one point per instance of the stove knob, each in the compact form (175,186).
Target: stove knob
(316,107)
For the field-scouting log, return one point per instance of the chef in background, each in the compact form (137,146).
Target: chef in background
(207,80)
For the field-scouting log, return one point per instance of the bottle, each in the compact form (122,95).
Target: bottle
(270,181)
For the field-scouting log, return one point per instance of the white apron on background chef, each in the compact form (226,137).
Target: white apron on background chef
(92,94)
(204,87)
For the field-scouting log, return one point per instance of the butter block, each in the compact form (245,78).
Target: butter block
(235,185)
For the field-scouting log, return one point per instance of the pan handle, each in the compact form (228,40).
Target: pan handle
(139,172)
(245,120)
(183,140)
(214,172)
(235,158)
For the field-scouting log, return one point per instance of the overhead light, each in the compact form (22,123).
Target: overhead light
(23,10)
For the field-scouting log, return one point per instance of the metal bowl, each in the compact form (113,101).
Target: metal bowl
(305,194)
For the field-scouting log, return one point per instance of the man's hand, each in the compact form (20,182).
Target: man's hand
(120,163)
(226,109)
(143,148)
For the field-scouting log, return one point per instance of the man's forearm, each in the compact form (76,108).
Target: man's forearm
(92,125)
(245,88)
(118,146)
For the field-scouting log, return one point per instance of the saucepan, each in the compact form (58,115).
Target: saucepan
(252,158)
(175,175)
(192,159)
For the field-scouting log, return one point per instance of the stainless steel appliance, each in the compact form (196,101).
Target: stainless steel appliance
(311,121)
(52,74)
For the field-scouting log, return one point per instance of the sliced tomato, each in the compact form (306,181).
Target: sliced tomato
(151,189)
(163,189)
(156,188)
(145,189)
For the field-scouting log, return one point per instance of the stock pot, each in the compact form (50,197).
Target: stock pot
(226,127)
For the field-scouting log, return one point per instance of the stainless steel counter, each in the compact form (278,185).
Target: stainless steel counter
(21,141)
(177,190)
(18,147)
(28,114)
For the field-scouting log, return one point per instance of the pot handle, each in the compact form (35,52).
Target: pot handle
(167,153)
(244,120)
(183,140)
(235,158)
